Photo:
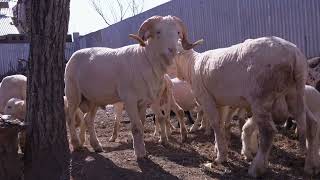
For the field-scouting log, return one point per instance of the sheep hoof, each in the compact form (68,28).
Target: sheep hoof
(139,151)
(193,128)
(256,169)
(98,150)
(112,139)
(96,146)
(247,155)
(220,159)
(163,142)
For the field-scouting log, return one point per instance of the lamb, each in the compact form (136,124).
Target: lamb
(161,106)
(14,86)
(252,74)
(186,100)
(131,74)
(249,134)
(17,109)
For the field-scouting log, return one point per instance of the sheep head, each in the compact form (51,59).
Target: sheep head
(16,108)
(149,24)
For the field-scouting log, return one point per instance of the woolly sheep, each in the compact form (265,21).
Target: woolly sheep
(161,106)
(17,109)
(252,75)
(249,134)
(130,74)
(14,86)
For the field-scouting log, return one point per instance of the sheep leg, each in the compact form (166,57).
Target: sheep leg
(180,114)
(212,113)
(226,116)
(136,129)
(118,118)
(242,117)
(267,130)
(72,128)
(83,128)
(247,132)
(296,105)
(312,164)
(160,119)
(157,126)
(142,113)
(196,124)
(205,125)
(89,120)
(22,140)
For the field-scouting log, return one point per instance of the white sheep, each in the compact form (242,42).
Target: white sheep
(250,131)
(161,106)
(131,74)
(14,86)
(17,109)
(185,98)
(252,75)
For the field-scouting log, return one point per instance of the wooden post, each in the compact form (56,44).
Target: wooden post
(10,165)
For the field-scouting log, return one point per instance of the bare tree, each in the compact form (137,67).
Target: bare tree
(113,11)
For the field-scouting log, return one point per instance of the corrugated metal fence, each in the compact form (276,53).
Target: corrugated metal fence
(225,22)
(220,22)
(11,53)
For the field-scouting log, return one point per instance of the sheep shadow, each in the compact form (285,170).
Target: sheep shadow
(121,146)
(176,152)
(88,165)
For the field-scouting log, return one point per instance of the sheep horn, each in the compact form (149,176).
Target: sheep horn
(136,37)
(147,25)
(184,41)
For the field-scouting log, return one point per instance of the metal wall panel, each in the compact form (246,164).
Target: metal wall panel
(225,22)
(10,53)
(221,23)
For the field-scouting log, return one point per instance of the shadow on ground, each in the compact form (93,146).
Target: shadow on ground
(88,165)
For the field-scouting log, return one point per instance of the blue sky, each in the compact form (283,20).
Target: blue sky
(84,19)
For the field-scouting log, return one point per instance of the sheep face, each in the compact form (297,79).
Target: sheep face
(16,108)
(163,36)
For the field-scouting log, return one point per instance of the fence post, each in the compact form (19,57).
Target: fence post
(10,166)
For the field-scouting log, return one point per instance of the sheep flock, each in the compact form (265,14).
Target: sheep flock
(252,88)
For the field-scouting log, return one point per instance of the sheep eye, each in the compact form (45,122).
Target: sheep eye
(178,32)
(9,107)
(158,32)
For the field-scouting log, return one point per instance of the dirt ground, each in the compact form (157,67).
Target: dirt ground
(178,160)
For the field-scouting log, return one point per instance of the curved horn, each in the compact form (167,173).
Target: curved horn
(146,25)
(184,41)
(137,38)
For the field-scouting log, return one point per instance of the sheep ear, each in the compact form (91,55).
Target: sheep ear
(137,38)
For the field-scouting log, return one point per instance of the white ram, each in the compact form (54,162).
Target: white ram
(131,74)
(252,74)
